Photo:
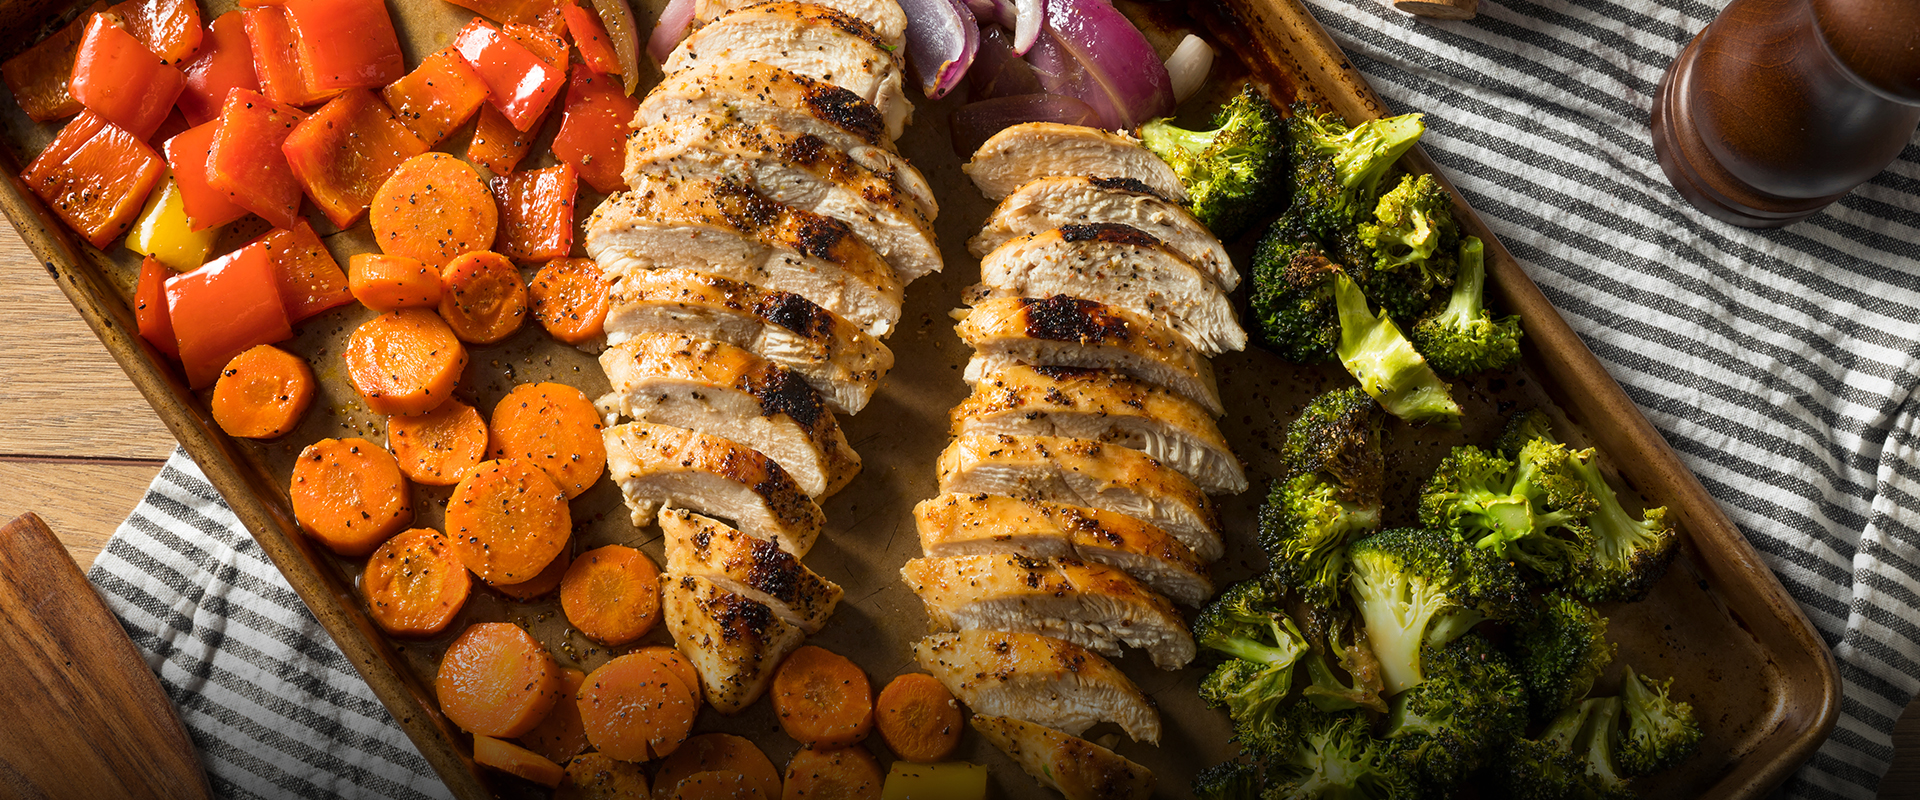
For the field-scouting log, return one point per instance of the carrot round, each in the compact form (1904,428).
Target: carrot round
(722,752)
(516,760)
(415,584)
(405,363)
(597,776)
(495,680)
(560,736)
(438,447)
(385,282)
(350,495)
(507,520)
(433,207)
(822,698)
(262,393)
(555,427)
(841,773)
(635,710)
(715,785)
(681,666)
(543,583)
(482,297)
(918,718)
(612,594)
(569,297)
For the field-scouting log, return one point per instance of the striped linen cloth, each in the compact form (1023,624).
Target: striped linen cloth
(1779,363)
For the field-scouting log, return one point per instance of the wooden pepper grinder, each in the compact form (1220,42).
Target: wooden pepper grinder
(1781,107)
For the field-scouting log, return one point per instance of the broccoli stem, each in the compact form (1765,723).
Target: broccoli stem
(1370,149)
(1467,302)
(1385,363)
(1162,136)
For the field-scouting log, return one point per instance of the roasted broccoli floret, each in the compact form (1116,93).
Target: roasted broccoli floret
(1233,173)
(1247,623)
(1660,732)
(1464,337)
(1230,780)
(1595,746)
(1562,652)
(1471,703)
(1529,509)
(1337,170)
(1385,363)
(1409,586)
(1329,494)
(1522,427)
(1550,767)
(1409,248)
(1334,757)
(1361,689)
(1292,295)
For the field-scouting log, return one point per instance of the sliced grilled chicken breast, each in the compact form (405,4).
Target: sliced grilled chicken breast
(976,524)
(835,357)
(1085,473)
(1023,153)
(885,17)
(657,465)
(749,566)
(734,643)
(724,228)
(759,94)
(1093,606)
(1105,406)
(800,170)
(1040,679)
(726,391)
(1077,332)
(1050,202)
(1120,266)
(1074,767)
(812,40)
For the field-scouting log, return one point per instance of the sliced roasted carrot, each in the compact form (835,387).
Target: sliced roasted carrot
(822,698)
(681,666)
(516,760)
(542,584)
(918,718)
(715,785)
(598,776)
(554,426)
(262,393)
(389,283)
(722,752)
(570,299)
(636,710)
(349,494)
(507,520)
(560,736)
(612,594)
(415,584)
(496,680)
(438,447)
(841,773)
(405,362)
(482,297)
(433,208)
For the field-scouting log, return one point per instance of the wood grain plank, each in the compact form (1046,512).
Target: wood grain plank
(1903,780)
(81,501)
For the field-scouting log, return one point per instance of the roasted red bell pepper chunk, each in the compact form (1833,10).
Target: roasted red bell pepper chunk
(95,176)
(520,82)
(224,63)
(246,161)
(150,307)
(536,212)
(593,130)
(276,58)
(545,36)
(310,281)
(496,145)
(38,75)
(436,96)
(224,308)
(590,35)
(345,151)
(346,44)
(187,154)
(170,28)
(118,78)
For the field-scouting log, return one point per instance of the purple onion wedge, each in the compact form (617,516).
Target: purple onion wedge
(1092,52)
(974,123)
(674,22)
(942,38)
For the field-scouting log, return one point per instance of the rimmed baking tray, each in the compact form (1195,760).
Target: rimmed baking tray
(1762,681)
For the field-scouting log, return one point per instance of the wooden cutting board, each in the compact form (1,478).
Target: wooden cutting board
(81,716)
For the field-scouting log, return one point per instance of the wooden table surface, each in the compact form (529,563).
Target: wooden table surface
(78,445)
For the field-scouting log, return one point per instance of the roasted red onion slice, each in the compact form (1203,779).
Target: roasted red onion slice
(974,123)
(1023,17)
(1187,68)
(1090,51)
(675,19)
(942,38)
(997,71)
(623,33)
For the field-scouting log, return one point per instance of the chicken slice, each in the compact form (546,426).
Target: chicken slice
(1076,332)
(734,643)
(800,170)
(1050,202)
(1023,153)
(1074,767)
(758,94)
(1120,266)
(1040,679)
(835,357)
(812,40)
(976,524)
(1085,473)
(657,465)
(723,390)
(1106,406)
(751,567)
(725,228)
(1093,606)
(884,16)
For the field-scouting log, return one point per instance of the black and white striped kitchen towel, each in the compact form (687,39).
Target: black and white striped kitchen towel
(1781,364)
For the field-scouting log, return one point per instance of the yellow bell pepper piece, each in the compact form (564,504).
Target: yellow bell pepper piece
(164,232)
(957,780)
